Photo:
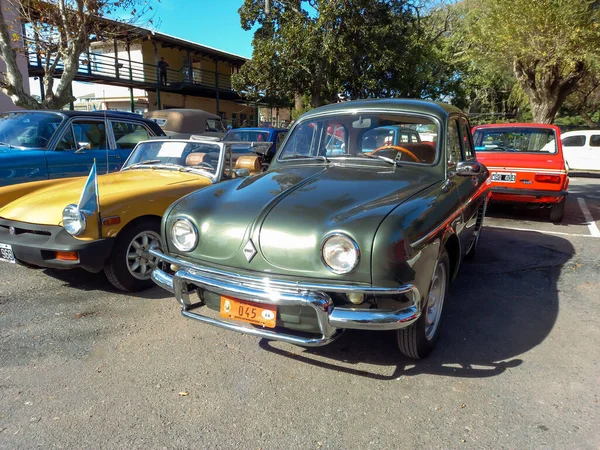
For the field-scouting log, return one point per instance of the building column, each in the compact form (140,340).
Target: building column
(158,105)
(217,84)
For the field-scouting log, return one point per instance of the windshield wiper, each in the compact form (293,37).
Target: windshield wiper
(317,157)
(383,158)
(143,163)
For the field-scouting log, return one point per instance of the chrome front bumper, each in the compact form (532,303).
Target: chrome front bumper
(331,320)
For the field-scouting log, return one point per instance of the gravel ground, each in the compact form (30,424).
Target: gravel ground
(83,366)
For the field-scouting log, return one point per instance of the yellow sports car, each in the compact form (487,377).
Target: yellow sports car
(109,222)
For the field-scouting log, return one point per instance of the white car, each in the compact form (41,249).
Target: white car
(582,149)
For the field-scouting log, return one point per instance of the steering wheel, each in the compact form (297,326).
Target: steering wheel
(399,149)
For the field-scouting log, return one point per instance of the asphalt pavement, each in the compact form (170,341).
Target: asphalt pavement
(84,366)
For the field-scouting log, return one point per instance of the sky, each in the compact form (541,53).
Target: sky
(215,23)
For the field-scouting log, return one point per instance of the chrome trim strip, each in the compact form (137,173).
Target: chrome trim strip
(331,320)
(484,187)
(284,284)
(263,333)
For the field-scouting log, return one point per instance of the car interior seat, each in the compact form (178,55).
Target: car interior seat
(250,162)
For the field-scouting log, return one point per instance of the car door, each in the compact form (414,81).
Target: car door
(125,135)
(574,150)
(591,158)
(82,142)
(460,148)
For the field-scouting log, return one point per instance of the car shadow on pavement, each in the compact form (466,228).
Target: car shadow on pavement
(86,281)
(572,215)
(500,306)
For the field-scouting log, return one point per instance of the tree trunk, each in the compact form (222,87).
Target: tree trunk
(12,82)
(546,88)
(543,110)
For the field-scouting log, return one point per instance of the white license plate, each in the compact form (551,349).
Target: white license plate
(504,177)
(6,253)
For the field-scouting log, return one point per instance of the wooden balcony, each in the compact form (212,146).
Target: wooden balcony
(106,69)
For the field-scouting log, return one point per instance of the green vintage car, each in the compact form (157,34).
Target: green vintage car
(337,234)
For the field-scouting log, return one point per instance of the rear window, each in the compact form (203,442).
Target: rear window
(524,140)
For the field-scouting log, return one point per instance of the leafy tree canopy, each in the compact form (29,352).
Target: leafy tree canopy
(327,49)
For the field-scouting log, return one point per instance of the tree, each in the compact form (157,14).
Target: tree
(324,49)
(585,100)
(58,32)
(547,45)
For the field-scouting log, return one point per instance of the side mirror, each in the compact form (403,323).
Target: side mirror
(468,168)
(83,146)
(241,173)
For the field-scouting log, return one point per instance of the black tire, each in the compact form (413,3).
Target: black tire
(557,211)
(472,251)
(418,340)
(117,267)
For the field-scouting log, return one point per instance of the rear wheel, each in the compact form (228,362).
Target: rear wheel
(418,340)
(557,210)
(130,265)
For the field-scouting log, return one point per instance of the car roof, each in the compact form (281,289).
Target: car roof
(392,104)
(518,125)
(233,130)
(586,132)
(70,113)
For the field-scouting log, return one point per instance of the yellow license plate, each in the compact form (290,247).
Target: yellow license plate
(257,314)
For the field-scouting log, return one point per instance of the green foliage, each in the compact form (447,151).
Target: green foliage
(546,44)
(324,49)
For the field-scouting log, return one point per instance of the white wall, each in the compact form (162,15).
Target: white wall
(6,103)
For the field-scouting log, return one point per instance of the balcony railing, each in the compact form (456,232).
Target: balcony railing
(124,70)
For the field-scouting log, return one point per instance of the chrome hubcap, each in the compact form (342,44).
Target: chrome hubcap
(435,301)
(139,261)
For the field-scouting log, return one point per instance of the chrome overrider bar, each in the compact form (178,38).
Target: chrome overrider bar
(332,320)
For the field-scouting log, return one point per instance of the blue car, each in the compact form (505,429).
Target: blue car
(43,145)
(273,135)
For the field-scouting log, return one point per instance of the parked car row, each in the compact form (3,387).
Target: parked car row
(358,222)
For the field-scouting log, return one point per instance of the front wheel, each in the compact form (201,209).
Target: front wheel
(130,265)
(418,340)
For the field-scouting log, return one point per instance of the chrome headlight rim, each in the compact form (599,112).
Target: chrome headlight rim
(82,220)
(193,229)
(351,241)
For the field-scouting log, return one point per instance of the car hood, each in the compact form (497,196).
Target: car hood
(45,205)
(287,212)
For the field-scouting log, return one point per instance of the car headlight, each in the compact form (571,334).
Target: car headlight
(73,220)
(340,253)
(184,235)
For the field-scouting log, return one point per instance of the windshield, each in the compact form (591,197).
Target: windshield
(389,135)
(247,136)
(200,155)
(28,129)
(515,139)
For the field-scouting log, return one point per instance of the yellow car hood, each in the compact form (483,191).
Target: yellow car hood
(44,206)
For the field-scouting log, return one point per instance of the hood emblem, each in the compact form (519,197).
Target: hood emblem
(249,250)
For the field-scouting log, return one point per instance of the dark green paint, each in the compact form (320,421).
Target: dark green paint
(288,210)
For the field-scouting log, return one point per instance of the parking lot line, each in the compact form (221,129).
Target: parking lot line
(588,217)
(559,233)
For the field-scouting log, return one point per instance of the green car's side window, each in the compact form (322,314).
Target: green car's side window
(454,147)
